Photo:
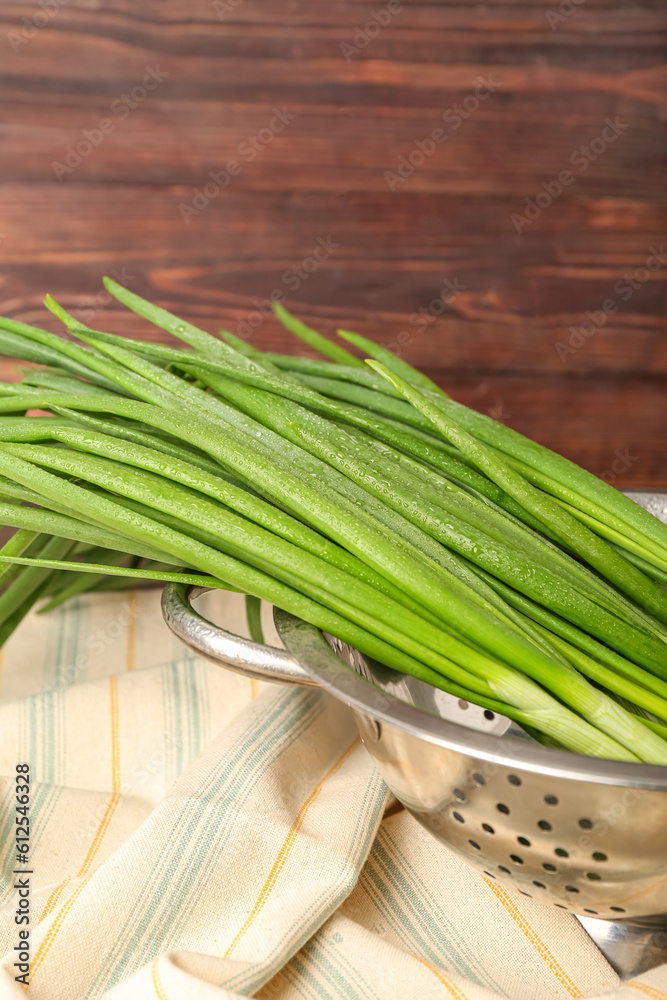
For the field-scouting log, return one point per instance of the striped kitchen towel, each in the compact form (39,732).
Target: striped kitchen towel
(194,835)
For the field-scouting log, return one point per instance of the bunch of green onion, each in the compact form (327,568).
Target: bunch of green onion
(356,495)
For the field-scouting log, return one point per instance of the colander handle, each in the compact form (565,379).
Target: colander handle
(251,659)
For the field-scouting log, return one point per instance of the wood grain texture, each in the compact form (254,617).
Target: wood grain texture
(435,268)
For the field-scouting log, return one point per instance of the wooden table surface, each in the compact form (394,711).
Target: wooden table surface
(304,111)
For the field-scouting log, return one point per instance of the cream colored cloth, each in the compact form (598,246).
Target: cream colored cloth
(198,836)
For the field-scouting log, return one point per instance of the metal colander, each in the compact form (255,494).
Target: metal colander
(580,833)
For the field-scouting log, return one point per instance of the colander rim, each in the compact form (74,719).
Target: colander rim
(309,647)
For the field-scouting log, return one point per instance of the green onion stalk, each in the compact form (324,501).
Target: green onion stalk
(360,498)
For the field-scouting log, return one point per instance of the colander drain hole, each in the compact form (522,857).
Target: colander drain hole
(584,823)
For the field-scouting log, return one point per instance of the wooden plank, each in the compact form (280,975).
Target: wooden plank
(521,327)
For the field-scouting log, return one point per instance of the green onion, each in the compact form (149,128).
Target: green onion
(315,339)
(208,345)
(20,542)
(27,585)
(363,500)
(571,532)
(557,474)
(253,610)
(392,362)
(45,562)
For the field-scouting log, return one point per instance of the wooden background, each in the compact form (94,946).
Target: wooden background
(230,64)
